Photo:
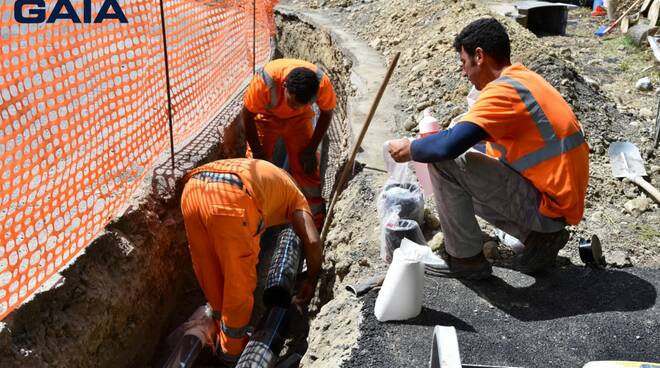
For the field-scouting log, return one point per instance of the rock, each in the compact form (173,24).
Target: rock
(594,61)
(646,112)
(635,124)
(638,205)
(618,258)
(593,83)
(644,84)
(422,105)
(420,67)
(597,216)
(438,242)
(410,124)
(490,249)
(431,221)
(376,43)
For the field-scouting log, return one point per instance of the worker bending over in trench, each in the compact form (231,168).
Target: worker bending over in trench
(226,205)
(532,178)
(278,104)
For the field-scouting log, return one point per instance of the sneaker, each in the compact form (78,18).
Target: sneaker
(541,250)
(473,268)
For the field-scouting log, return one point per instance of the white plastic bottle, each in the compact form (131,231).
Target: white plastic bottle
(428,125)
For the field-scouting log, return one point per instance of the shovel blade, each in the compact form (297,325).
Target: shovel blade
(625,160)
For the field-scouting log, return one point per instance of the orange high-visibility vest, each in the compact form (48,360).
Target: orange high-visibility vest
(275,194)
(533,130)
(265,95)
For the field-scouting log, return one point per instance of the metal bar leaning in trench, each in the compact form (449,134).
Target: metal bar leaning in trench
(349,164)
(167,84)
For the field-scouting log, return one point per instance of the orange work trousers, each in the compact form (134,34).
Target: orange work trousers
(222,224)
(296,133)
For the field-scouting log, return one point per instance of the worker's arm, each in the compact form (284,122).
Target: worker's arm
(251,134)
(303,226)
(308,154)
(321,127)
(445,145)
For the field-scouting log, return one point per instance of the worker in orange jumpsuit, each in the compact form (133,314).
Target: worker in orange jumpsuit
(226,205)
(278,104)
(531,177)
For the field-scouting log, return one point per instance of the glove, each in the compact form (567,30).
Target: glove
(307,159)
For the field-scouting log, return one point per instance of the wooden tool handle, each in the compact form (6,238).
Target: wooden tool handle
(621,17)
(650,189)
(349,165)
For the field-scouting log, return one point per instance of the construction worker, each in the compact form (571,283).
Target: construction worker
(226,205)
(531,178)
(278,104)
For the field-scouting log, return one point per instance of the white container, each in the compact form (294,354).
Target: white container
(401,295)
(428,125)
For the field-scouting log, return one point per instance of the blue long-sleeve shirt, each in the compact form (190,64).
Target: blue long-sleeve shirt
(447,144)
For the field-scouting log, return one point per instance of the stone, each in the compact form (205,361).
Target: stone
(410,124)
(437,242)
(597,217)
(646,112)
(638,205)
(420,67)
(490,249)
(618,258)
(431,221)
(644,84)
(376,43)
(592,82)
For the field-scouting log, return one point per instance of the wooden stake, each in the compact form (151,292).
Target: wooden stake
(349,165)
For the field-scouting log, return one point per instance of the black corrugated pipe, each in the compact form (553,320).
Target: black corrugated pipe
(266,343)
(283,269)
(198,331)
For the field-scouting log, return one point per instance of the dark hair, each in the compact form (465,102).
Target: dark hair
(303,84)
(487,33)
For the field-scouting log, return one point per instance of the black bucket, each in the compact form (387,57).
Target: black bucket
(408,196)
(395,232)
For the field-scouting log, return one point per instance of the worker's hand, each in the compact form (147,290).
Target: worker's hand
(399,149)
(305,294)
(307,159)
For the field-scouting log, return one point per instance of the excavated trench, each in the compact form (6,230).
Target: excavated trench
(118,302)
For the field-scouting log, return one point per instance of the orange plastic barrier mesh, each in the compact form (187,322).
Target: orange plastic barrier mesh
(84,116)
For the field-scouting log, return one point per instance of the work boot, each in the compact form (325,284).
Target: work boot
(472,268)
(541,250)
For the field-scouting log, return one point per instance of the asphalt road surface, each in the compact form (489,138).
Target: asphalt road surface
(561,318)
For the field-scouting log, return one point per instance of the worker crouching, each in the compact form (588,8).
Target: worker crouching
(226,206)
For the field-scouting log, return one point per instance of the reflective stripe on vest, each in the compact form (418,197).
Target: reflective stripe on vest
(234,333)
(272,88)
(552,147)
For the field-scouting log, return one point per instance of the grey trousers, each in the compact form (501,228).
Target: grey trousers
(475,183)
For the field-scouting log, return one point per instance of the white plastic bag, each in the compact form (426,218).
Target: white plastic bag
(510,241)
(397,172)
(401,295)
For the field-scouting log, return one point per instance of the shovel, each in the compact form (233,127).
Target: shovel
(627,163)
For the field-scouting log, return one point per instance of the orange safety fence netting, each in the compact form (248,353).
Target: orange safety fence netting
(84,116)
